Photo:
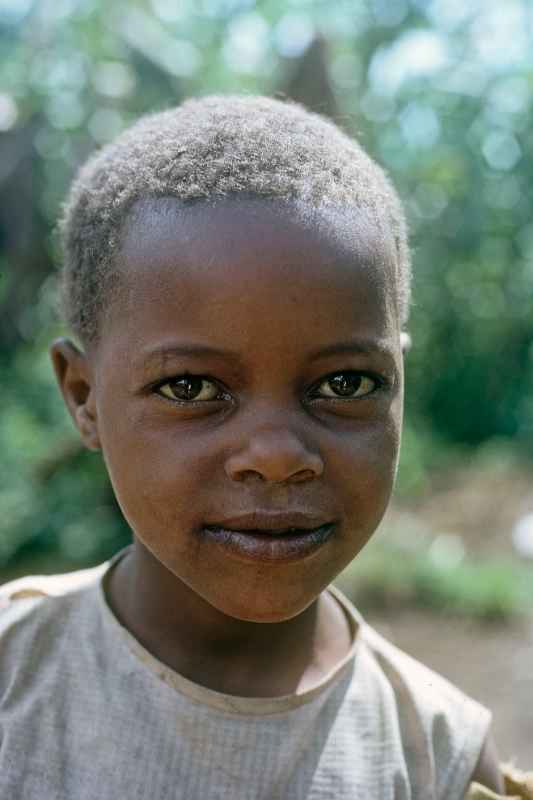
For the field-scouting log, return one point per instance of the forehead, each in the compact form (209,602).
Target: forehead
(159,232)
(250,258)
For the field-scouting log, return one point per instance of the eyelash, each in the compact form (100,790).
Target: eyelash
(379,381)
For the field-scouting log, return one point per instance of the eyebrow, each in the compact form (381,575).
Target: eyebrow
(359,346)
(161,355)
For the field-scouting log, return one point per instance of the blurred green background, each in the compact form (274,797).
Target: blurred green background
(440,93)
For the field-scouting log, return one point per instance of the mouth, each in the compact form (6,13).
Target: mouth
(273,522)
(269,543)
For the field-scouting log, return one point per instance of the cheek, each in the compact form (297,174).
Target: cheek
(158,477)
(365,465)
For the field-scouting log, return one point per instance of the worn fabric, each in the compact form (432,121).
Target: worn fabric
(86,712)
(518,786)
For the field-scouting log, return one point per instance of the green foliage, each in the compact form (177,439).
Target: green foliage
(452,125)
(439,92)
(388,575)
(55,497)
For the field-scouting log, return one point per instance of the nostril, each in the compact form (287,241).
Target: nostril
(251,475)
(303,475)
(247,474)
(274,457)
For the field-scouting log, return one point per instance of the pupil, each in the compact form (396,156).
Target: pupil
(187,388)
(345,385)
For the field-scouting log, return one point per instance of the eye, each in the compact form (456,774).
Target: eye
(347,385)
(189,388)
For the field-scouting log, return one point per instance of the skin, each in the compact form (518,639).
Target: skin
(288,297)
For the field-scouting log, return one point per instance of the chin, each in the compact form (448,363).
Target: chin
(267,612)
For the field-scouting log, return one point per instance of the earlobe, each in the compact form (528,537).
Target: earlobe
(405,342)
(75,381)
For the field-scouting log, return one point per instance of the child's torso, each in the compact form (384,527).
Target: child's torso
(85,712)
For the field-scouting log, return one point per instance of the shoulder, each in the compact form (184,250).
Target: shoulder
(409,676)
(435,719)
(47,625)
(35,604)
(35,586)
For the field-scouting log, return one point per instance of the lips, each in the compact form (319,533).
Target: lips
(267,537)
(274,524)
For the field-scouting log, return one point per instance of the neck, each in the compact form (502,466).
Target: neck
(223,653)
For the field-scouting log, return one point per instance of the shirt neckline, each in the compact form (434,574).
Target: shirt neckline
(231,704)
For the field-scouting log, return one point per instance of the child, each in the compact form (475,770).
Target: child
(237,273)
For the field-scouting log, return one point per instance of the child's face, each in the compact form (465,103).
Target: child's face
(279,333)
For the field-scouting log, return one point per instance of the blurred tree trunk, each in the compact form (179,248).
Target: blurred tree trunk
(24,257)
(310,83)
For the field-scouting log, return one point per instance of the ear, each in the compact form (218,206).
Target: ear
(73,374)
(405,342)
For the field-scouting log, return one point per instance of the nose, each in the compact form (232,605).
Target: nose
(276,455)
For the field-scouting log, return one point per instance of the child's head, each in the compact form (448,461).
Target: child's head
(206,150)
(237,269)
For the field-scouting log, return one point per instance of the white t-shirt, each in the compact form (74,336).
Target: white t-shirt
(86,713)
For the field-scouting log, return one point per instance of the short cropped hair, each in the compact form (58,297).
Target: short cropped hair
(207,147)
